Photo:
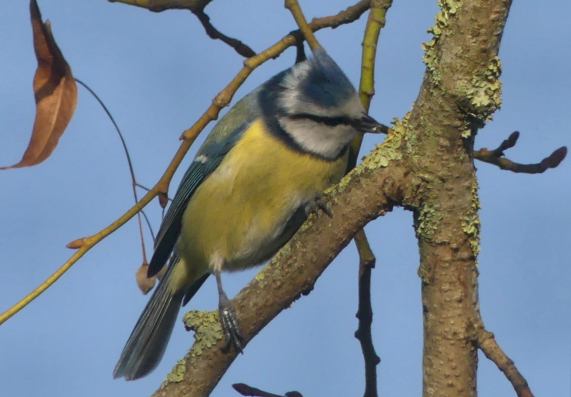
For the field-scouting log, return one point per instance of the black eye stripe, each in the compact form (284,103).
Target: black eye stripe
(330,121)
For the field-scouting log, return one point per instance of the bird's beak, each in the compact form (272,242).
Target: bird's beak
(369,124)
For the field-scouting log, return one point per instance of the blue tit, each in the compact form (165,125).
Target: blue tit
(246,193)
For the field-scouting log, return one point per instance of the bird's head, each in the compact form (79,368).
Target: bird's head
(316,105)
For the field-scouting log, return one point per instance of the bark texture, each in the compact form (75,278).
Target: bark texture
(461,89)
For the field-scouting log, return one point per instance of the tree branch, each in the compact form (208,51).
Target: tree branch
(246,390)
(460,91)
(498,158)
(375,22)
(197,8)
(241,48)
(85,244)
(365,314)
(163,5)
(487,343)
(297,13)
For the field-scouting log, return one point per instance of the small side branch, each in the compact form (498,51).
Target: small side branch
(250,391)
(197,8)
(498,158)
(365,315)
(489,346)
(241,48)
(162,5)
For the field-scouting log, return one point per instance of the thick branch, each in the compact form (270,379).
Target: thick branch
(461,89)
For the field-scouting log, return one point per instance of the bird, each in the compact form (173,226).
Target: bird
(261,170)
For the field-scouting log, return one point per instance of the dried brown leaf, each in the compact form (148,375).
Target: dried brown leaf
(55,93)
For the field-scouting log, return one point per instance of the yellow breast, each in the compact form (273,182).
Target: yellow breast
(238,214)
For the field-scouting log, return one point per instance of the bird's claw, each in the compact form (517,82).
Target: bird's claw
(230,327)
(318,203)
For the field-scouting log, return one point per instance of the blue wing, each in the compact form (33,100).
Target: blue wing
(217,145)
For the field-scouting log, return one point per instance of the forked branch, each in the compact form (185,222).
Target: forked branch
(250,391)
(498,158)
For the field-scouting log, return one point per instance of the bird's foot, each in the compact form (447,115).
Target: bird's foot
(230,326)
(318,203)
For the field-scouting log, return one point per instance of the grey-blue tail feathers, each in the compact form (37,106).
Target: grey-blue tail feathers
(148,340)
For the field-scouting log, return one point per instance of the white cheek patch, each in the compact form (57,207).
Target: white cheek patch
(321,139)
(293,103)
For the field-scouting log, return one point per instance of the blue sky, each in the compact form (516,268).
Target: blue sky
(157,73)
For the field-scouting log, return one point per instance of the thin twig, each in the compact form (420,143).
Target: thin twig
(489,346)
(241,48)
(149,226)
(497,157)
(83,245)
(250,391)
(365,314)
(506,144)
(300,48)
(197,8)
(375,22)
(129,163)
(163,5)
(295,9)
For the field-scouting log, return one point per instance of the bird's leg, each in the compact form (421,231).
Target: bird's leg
(228,318)
(318,203)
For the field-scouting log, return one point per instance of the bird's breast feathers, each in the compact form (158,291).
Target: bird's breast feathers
(239,212)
